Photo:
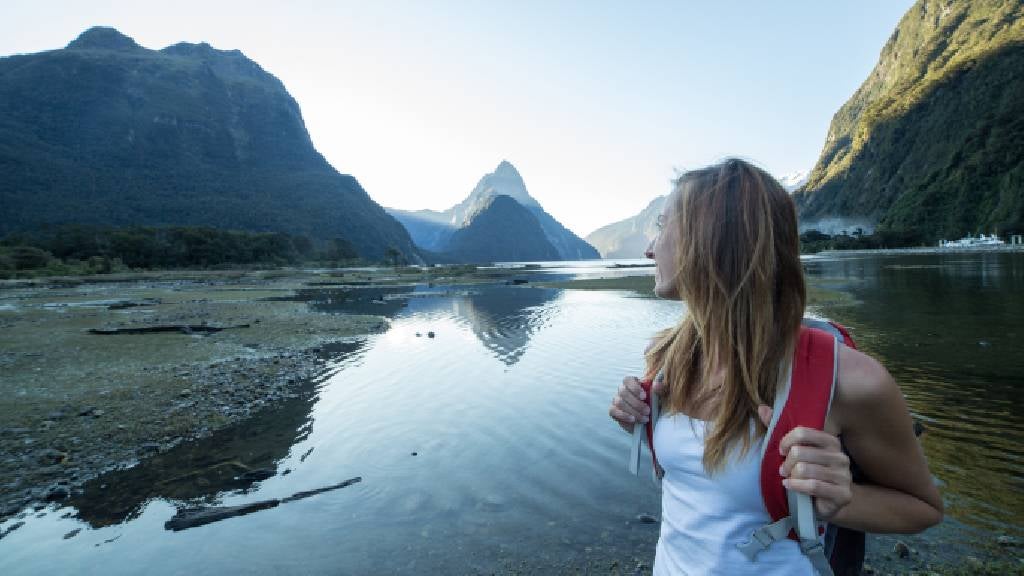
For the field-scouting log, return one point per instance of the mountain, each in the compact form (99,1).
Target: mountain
(501,230)
(629,238)
(105,132)
(429,229)
(794,180)
(434,230)
(932,143)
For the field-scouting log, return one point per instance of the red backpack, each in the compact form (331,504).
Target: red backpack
(804,401)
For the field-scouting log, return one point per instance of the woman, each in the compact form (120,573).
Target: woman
(728,247)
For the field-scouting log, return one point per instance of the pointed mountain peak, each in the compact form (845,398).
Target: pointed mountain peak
(506,170)
(103,38)
(504,180)
(794,180)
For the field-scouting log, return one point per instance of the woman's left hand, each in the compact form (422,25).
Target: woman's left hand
(816,465)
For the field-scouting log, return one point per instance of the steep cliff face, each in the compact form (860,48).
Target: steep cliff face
(630,237)
(501,230)
(931,145)
(434,230)
(106,132)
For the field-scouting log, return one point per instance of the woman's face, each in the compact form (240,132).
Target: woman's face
(663,250)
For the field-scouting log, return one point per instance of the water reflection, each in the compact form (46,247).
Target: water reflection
(503,318)
(949,328)
(232,459)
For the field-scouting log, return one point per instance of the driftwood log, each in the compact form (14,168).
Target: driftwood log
(181,328)
(193,517)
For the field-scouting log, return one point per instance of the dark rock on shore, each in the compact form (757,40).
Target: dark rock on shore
(901,549)
(57,492)
(50,457)
(12,528)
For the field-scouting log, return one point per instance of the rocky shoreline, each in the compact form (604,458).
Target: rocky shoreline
(79,399)
(77,443)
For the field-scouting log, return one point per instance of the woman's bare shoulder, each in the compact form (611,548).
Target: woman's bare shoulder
(863,381)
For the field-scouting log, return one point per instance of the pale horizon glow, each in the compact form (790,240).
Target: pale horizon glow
(597,104)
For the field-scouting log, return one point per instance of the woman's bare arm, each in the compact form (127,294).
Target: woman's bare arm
(878,432)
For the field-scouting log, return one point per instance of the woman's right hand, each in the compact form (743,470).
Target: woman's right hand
(628,406)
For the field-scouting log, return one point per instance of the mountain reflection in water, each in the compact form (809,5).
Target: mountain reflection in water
(503,318)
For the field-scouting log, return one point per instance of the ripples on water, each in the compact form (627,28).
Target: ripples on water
(950,328)
(516,465)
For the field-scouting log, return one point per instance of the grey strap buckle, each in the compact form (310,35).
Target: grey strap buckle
(815,552)
(765,536)
(809,547)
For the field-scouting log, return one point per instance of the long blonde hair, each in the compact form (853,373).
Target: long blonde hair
(739,272)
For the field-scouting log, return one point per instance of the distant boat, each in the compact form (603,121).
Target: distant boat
(972,242)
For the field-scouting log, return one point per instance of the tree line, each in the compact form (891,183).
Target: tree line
(78,249)
(813,241)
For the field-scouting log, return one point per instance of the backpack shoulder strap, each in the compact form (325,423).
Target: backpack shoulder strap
(646,433)
(835,328)
(803,398)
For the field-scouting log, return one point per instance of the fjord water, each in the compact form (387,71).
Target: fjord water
(517,466)
(950,328)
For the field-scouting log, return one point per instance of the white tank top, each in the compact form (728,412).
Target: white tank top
(703,518)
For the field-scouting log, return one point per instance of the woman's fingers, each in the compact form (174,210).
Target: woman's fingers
(630,399)
(624,420)
(829,488)
(816,465)
(628,405)
(830,496)
(825,473)
(808,437)
(803,457)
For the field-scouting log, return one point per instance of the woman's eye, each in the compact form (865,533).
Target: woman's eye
(660,221)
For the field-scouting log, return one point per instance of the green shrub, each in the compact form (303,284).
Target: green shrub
(29,257)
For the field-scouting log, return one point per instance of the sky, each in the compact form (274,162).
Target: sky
(598,104)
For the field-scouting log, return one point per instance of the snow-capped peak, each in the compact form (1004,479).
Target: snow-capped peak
(794,180)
